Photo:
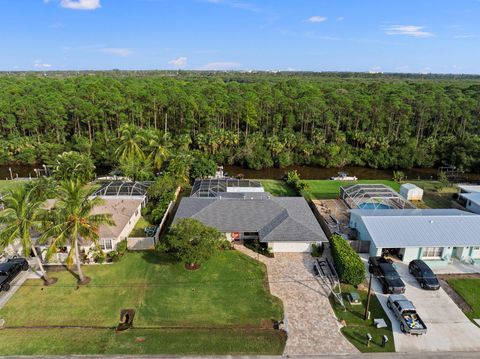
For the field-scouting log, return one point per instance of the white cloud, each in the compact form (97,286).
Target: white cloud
(40,65)
(80,4)
(317,19)
(220,66)
(179,63)
(117,51)
(340,18)
(408,30)
(376,70)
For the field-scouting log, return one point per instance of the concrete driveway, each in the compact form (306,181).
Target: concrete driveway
(448,329)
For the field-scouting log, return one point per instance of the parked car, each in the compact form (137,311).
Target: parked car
(423,274)
(405,312)
(385,272)
(9,270)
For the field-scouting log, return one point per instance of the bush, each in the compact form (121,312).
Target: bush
(113,256)
(122,247)
(225,245)
(257,247)
(292,179)
(98,255)
(317,250)
(347,262)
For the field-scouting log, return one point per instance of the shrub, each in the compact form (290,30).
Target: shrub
(347,262)
(122,247)
(113,256)
(292,179)
(317,250)
(98,255)
(225,245)
(398,176)
(256,246)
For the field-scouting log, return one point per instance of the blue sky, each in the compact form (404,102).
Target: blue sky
(440,36)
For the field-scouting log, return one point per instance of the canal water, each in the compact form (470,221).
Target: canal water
(306,172)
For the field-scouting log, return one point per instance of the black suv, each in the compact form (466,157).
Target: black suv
(423,274)
(9,270)
(385,272)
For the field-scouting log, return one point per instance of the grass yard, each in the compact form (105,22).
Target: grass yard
(278,188)
(327,189)
(139,229)
(433,198)
(356,328)
(469,290)
(228,292)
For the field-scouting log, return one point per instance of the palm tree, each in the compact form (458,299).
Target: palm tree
(22,213)
(72,220)
(158,151)
(130,143)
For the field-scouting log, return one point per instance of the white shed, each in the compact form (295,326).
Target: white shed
(411,192)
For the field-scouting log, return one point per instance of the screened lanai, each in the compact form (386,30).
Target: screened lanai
(217,187)
(123,188)
(373,196)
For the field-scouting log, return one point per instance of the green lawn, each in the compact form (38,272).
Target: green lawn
(327,189)
(357,328)
(433,198)
(469,289)
(278,188)
(229,291)
(139,229)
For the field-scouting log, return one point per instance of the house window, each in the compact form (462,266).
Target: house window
(106,244)
(432,252)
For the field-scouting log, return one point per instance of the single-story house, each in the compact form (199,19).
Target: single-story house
(469,188)
(472,201)
(286,224)
(434,235)
(125,213)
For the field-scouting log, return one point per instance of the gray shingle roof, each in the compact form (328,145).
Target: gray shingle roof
(274,218)
(421,227)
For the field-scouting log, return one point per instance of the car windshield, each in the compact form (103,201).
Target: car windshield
(391,275)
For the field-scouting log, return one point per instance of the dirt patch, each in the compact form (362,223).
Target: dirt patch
(457,298)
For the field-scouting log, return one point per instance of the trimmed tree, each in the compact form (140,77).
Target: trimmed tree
(191,242)
(347,262)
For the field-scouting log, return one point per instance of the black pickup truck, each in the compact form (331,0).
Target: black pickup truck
(9,270)
(385,272)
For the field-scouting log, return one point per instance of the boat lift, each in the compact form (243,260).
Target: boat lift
(327,273)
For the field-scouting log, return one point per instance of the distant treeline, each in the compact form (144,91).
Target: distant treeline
(255,120)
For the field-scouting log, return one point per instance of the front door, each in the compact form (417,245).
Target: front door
(454,252)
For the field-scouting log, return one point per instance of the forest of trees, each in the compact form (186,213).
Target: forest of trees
(254,120)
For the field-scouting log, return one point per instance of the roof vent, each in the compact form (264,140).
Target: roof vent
(431,221)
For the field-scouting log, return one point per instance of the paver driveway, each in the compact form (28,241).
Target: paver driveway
(448,329)
(311,324)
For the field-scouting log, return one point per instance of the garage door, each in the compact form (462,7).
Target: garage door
(291,247)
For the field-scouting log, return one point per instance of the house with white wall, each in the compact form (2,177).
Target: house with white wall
(437,236)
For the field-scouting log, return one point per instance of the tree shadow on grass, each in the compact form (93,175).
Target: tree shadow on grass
(154,257)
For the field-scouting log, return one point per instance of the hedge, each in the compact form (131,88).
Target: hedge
(347,262)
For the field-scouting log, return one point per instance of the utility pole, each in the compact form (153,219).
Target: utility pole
(365,317)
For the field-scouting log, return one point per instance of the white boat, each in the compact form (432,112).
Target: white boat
(343,176)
